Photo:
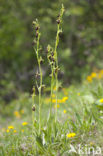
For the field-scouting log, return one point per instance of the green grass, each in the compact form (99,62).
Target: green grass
(83,117)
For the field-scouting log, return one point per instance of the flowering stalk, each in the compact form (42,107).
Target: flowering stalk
(40,60)
(51,60)
(59,20)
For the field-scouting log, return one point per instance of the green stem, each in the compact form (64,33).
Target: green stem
(56,74)
(33,121)
(39,89)
(40,101)
(56,44)
(51,92)
(56,96)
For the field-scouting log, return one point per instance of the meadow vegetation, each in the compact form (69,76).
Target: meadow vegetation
(79,121)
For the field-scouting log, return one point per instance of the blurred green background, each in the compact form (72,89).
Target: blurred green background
(80,49)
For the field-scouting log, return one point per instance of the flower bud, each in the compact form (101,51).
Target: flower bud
(58,21)
(58,16)
(33,108)
(50,58)
(52,53)
(33,23)
(34,42)
(37,75)
(41,61)
(36,28)
(36,34)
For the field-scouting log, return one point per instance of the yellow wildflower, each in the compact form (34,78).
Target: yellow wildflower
(59,101)
(17,114)
(10,127)
(54,101)
(91,143)
(99,75)
(15,131)
(22,130)
(101,100)
(89,78)
(53,95)
(71,135)
(24,123)
(57,106)
(64,99)
(7,130)
(78,94)
(54,89)
(64,111)
(101,71)
(93,75)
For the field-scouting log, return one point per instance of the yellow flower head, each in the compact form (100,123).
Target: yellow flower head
(54,101)
(71,135)
(57,106)
(54,89)
(64,99)
(93,75)
(99,76)
(22,130)
(89,78)
(101,100)
(64,111)
(91,143)
(7,130)
(14,131)
(53,95)
(59,101)
(24,123)
(101,71)
(10,127)
(78,94)
(17,114)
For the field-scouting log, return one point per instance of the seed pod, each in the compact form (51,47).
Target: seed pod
(33,108)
